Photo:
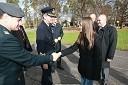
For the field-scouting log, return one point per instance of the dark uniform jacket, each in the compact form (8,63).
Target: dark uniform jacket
(106,44)
(44,39)
(89,65)
(13,57)
(57,32)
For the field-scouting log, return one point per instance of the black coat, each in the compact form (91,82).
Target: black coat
(106,41)
(89,65)
(44,39)
(57,32)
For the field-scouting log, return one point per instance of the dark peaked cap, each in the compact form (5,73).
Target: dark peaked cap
(12,9)
(49,10)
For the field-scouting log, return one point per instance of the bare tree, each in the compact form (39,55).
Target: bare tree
(13,1)
(121,7)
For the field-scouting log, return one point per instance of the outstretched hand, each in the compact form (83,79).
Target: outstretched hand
(55,56)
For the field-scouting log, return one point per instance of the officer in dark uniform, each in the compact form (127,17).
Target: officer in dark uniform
(58,34)
(45,42)
(12,55)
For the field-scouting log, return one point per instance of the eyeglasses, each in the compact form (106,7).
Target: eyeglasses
(98,20)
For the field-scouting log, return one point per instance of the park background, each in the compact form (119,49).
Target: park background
(70,12)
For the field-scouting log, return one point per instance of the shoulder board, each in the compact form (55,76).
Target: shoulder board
(6,32)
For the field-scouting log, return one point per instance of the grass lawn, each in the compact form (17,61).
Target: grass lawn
(122,41)
(70,37)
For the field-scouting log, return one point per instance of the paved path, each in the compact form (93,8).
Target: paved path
(70,76)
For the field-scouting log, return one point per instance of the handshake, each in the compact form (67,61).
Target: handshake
(56,55)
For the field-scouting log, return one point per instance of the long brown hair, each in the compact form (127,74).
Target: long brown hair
(87,32)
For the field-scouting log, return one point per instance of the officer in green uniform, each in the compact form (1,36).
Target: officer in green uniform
(12,55)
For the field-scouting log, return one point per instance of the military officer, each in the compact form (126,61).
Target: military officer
(45,42)
(12,55)
(58,34)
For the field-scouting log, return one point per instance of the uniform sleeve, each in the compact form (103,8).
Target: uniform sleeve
(11,50)
(112,43)
(70,49)
(40,40)
(61,32)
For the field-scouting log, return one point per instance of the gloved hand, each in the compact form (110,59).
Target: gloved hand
(55,40)
(59,38)
(55,56)
(60,53)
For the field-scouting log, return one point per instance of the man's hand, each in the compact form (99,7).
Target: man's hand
(109,60)
(56,56)
(59,38)
(55,40)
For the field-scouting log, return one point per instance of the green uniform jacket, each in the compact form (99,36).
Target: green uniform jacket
(13,57)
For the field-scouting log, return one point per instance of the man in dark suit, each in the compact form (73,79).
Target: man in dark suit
(105,41)
(45,42)
(58,34)
(12,55)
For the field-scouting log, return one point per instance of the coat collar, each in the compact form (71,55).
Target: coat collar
(47,27)
(105,27)
(4,29)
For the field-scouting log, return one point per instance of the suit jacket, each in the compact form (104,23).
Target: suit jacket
(106,41)
(44,39)
(13,57)
(57,32)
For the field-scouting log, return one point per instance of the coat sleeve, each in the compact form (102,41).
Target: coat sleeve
(40,39)
(70,49)
(12,50)
(112,43)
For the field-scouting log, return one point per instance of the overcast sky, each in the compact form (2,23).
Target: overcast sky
(2,0)
(20,4)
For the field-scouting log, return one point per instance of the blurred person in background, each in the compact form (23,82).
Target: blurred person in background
(58,35)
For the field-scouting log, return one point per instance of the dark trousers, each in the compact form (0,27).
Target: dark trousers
(46,76)
(59,61)
(104,76)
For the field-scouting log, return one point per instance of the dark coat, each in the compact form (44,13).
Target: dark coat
(89,65)
(44,39)
(23,38)
(106,44)
(57,32)
(13,57)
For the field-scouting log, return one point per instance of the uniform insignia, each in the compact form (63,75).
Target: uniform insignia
(6,32)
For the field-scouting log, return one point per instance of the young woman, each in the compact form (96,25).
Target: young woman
(89,65)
